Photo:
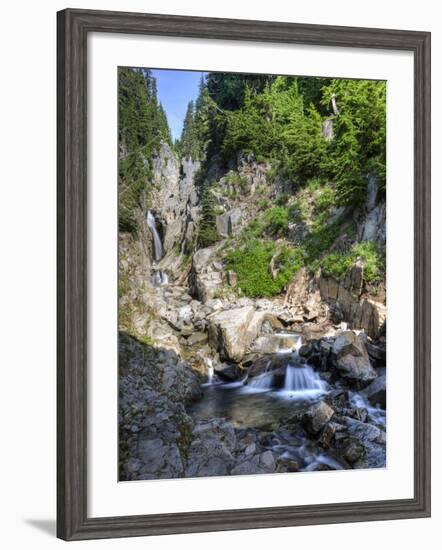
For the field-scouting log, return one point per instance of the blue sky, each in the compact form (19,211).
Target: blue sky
(175,90)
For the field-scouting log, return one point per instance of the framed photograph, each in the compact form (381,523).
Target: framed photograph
(241,207)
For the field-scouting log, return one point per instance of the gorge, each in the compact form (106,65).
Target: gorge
(252,311)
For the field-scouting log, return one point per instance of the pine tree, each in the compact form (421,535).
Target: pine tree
(207,234)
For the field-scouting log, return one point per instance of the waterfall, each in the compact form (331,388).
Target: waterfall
(210,371)
(158,247)
(263,381)
(303,381)
(159,278)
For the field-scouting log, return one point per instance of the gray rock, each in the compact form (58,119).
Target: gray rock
(197,338)
(352,359)
(210,453)
(317,416)
(376,391)
(228,332)
(267,461)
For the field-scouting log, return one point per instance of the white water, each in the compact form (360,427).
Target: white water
(159,278)
(158,247)
(263,381)
(377,415)
(303,382)
(288,343)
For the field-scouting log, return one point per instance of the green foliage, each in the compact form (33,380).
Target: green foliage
(238,182)
(337,265)
(325,199)
(276,221)
(252,266)
(359,146)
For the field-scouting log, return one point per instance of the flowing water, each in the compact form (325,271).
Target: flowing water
(157,245)
(261,399)
(159,278)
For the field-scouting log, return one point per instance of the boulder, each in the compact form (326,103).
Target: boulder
(228,332)
(351,358)
(317,416)
(197,338)
(376,391)
(227,371)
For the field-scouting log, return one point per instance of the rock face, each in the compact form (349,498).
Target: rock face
(352,359)
(205,278)
(228,224)
(228,332)
(344,297)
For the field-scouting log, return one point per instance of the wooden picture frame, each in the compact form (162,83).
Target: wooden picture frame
(73,28)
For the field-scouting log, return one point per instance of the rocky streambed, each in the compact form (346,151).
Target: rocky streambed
(304,407)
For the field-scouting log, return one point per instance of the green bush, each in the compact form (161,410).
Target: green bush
(276,220)
(337,265)
(251,264)
(325,199)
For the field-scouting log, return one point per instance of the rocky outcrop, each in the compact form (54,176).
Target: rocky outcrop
(205,278)
(373,227)
(347,304)
(229,223)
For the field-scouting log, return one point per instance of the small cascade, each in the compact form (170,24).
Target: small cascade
(263,381)
(210,371)
(377,415)
(288,342)
(157,245)
(303,382)
(159,278)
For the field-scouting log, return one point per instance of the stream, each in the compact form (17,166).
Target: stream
(273,403)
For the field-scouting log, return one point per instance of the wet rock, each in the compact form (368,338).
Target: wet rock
(353,451)
(377,352)
(227,371)
(317,416)
(376,391)
(267,461)
(372,439)
(305,350)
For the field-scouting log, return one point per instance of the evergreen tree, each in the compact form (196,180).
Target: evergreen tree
(207,234)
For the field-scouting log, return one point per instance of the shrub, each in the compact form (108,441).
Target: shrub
(263,204)
(282,199)
(337,265)
(325,199)
(276,220)
(251,264)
